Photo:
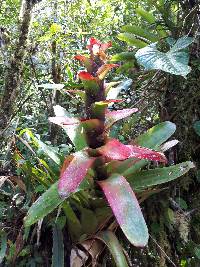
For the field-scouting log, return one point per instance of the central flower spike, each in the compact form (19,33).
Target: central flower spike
(93,83)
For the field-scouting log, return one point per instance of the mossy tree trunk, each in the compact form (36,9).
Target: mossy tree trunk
(14,73)
(15,69)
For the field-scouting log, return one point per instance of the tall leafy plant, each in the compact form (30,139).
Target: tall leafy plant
(103,165)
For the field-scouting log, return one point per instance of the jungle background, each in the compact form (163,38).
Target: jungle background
(38,41)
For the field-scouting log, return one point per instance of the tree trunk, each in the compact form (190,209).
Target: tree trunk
(15,69)
(56,75)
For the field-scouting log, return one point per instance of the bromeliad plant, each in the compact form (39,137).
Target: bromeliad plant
(104,164)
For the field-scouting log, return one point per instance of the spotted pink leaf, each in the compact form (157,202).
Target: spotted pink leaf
(113,116)
(115,150)
(126,209)
(73,172)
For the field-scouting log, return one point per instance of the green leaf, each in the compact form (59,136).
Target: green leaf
(114,247)
(126,209)
(75,132)
(46,203)
(145,15)
(175,61)
(58,247)
(182,203)
(55,28)
(196,127)
(73,222)
(89,221)
(123,56)
(156,135)
(3,246)
(131,40)
(49,151)
(140,32)
(144,179)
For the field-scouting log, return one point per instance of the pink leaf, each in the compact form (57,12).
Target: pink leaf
(113,116)
(106,45)
(73,173)
(115,150)
(64,120)
(126,209)
(108,101)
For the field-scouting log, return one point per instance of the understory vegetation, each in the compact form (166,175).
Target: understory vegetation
(99,133)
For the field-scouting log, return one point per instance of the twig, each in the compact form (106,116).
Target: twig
(167,257)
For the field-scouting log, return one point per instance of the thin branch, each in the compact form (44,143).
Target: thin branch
(166,256)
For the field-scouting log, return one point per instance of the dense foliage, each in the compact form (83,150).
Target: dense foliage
(84,133)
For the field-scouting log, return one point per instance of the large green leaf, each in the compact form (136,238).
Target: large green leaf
(175,61)
(126,209)
(149,17)
(156,135)
(131,40)
(140,32)
(123,56)
(144,179)
(114,247)
(58,247)
(46,203)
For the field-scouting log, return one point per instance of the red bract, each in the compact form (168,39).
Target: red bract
(81,58)
(84,75)
(114,150)
(73,172)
